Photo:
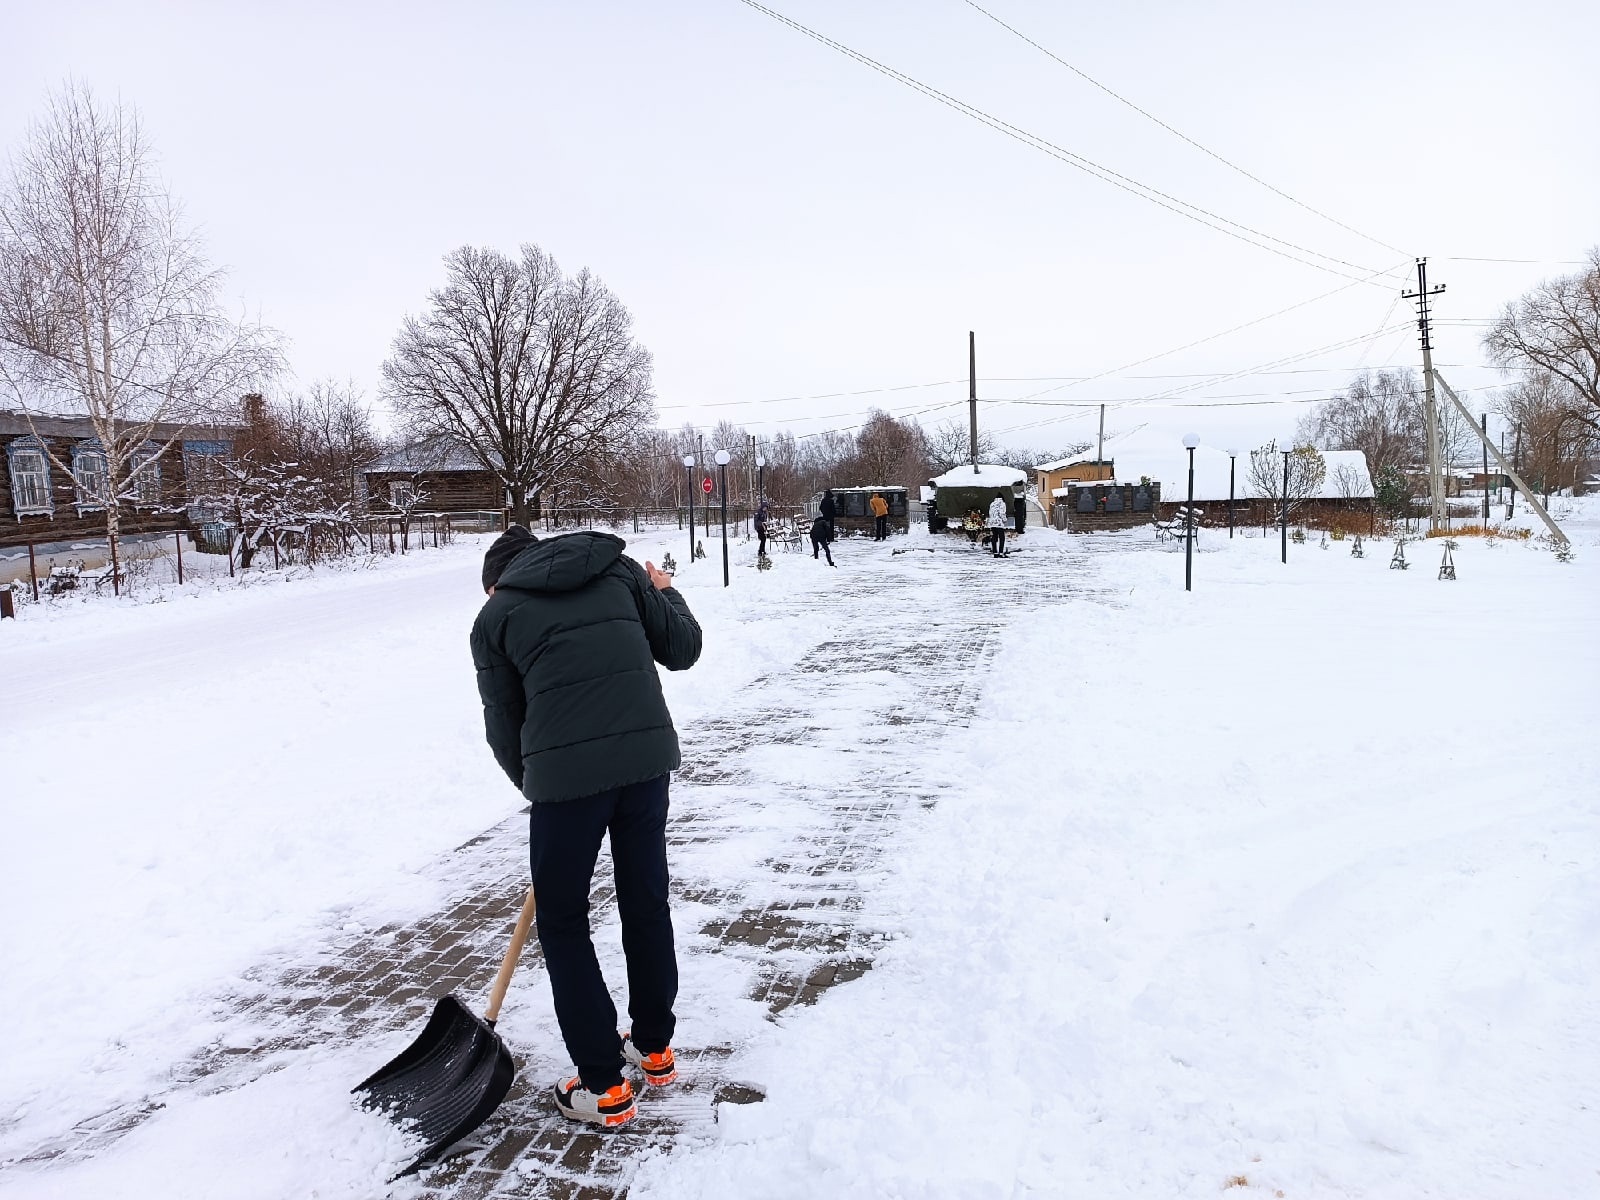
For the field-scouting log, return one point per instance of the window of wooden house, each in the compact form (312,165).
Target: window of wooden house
(145,484)
(205,467)
(402,494)
(89,473)
(30,477)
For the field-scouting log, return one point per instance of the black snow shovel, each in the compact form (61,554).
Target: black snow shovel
(447,1082)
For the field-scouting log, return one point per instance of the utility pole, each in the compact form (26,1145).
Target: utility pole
(1100,447)
(1483,420)
(1438,515)
(1516,462)
(972,393)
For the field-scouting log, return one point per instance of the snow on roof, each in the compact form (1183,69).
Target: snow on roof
(987,475)
(424,456)
(1078,460)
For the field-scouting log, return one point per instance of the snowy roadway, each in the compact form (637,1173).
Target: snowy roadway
(1161,895)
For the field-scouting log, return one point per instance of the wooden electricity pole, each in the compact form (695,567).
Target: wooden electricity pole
(1438,514)
(972,393)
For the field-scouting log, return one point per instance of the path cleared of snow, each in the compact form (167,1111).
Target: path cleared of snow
(196,785)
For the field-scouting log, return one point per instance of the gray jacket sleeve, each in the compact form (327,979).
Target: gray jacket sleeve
(504,703)
(673,632)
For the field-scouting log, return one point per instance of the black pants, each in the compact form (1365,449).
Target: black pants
(823,546)
(563,843)
(880,528)
(998,546)
(761,542)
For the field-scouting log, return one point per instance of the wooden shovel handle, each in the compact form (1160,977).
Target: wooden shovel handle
(513,952)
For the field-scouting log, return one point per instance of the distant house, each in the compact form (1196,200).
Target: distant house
(1052,476)
(54,485)
(448,479)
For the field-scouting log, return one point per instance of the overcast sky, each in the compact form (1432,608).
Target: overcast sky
(786,222)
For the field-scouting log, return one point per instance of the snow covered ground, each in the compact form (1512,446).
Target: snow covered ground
(1285,886)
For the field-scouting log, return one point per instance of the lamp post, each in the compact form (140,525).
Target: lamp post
(722,469)
(761,478)
(1190,441)
(1283,507)
(688,467)
(1233,454)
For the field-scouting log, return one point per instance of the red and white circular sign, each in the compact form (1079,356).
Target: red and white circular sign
(705,485)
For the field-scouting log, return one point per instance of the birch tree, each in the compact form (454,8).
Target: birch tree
(108,307)
(533,372)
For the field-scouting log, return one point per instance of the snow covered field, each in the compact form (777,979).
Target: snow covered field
(1283,886)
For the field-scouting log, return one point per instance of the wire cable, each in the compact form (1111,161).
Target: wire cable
(1206,150)
(1183,208)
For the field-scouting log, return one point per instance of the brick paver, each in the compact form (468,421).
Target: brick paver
(792,920)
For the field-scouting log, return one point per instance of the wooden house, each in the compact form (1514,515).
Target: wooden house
(434,479)
(54,486)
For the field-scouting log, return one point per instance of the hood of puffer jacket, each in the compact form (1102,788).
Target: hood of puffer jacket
(562,564)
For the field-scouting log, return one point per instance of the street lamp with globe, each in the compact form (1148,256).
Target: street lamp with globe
(1233,453)
(723,457)
(1190,441)
(688,466)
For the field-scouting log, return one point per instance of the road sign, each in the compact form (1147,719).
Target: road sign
(705,485)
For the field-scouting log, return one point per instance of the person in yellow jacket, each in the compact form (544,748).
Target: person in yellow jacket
(880,517)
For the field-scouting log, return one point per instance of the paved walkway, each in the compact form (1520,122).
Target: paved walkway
(802,754)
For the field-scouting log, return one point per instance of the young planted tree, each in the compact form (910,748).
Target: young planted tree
(108,307)
(531,371)
(1306,471)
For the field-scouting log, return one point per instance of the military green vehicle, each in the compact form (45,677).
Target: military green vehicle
(955,495)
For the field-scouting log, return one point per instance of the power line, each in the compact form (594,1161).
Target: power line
(1178,133)
(1223,378)
(1210,337)
(1162,199)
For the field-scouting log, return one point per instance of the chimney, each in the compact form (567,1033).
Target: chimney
(255,410)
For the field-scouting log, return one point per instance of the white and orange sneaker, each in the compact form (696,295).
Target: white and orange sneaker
(610,1108)
(659,1069)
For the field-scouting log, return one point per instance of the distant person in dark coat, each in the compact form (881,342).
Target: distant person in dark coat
(761,529)
(1019,509)
(566,650)
(829,510)
(821,536)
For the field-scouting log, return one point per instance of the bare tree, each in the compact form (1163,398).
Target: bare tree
(1555,328)
(888,452)
(1307,469)
(1380,415)
(328,431)
(1556,440)
(107,304)
(531,371)
(950,445)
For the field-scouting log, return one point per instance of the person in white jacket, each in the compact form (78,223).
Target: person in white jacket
(999,518)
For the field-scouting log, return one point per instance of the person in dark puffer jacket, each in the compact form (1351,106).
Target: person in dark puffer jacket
(566,651)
